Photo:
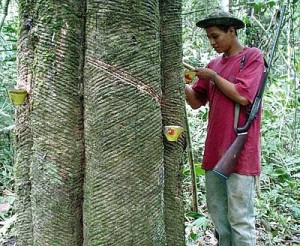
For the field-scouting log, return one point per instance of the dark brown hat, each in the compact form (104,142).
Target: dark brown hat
(221,18)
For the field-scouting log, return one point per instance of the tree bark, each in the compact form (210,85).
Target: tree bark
(23,145)
(123,201)
(54,165)
(173,114)
(225,5)
(23,133)
(94,77)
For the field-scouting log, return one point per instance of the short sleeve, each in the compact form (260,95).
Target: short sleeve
(201,89)
(249,78)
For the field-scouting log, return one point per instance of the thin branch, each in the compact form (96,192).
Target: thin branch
(193,12)
(8,50)
(270,38)
(4,13)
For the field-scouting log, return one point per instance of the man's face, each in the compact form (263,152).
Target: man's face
(221,41)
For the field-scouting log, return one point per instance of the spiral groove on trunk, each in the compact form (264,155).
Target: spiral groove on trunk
(23,133)
(123,191)
(173,114)
(23,144)
(128,166)
(56,123)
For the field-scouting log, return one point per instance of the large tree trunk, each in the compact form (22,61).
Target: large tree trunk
(224,5)
(123,201)
(122,153)
(56,44)
(23,145)
(173,114)
(23,134)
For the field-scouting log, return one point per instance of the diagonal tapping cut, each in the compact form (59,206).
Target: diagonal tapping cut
(126,78)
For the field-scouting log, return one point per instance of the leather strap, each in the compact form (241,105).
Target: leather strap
(236,115)
(237,106)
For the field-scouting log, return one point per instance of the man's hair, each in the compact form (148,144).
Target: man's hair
(225,28)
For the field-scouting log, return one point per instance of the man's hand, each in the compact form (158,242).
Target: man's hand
(204,73)
(191,97)
(224,85)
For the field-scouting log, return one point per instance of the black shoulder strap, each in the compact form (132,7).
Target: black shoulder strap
(237,105)
(266,64)
(242,64)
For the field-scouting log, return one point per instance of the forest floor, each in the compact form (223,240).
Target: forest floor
(277,207)
(277,214)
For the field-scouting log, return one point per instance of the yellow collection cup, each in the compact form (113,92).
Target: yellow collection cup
(189,76)
(17,96)
(172,132)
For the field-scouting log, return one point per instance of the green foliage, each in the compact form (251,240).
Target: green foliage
(277,204)
(7,80)
(8,77)
(195,50)
(195,228)
(260,5)
(198,170)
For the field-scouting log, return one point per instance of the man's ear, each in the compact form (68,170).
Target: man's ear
(231,29)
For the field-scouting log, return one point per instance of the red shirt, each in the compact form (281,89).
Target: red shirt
(220,129)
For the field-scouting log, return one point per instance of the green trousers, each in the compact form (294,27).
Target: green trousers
(230,204)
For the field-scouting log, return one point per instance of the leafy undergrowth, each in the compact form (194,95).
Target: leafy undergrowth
(7,218)
(277,209)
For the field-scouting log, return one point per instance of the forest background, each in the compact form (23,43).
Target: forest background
(278,202)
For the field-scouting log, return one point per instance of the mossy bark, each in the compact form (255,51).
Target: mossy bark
(23,131)
(113,52)
(52,34)
(23,145)
(123,201)
(173,114)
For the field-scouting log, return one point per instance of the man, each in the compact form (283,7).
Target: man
(233,77)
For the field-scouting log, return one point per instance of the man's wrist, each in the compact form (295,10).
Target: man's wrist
(213,77)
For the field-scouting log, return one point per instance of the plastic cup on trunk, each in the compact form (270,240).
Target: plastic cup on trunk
(173,132)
